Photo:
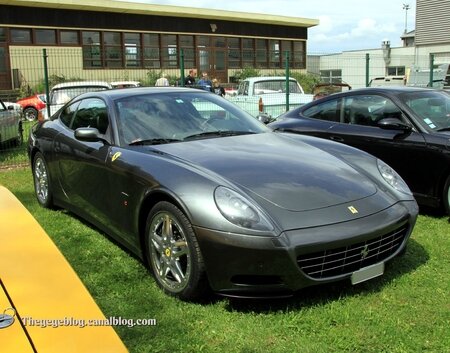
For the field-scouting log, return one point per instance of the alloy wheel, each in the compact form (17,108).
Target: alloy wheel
(170,254)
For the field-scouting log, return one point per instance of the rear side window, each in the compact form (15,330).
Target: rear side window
(324,111)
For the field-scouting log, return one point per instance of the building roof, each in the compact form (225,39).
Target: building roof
(165,10)
(410,34)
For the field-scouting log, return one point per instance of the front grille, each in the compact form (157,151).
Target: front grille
(345,260)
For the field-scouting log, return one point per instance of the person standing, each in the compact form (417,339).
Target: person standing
(205,83)
(162,81)
(190,79)
(217,88)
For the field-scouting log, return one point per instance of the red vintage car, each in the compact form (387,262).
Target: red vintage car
(32,105)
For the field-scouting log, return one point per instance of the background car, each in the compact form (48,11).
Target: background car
(64,92)
(322,89)
(212,198)
(10,124)
(125,84)
(408,128)
(32,105)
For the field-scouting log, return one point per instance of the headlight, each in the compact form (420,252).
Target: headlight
(393,178)
(238,210)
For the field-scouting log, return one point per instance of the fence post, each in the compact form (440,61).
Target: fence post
(367,69)
(430,83)
(182,67)
(47,89)
(287,79)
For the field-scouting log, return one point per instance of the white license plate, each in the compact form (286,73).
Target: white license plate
(367,273)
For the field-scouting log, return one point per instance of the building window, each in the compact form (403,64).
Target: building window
(331,76)
(45,36)
(112,46)
(234,52)
(132,48)
(261,53)
(274,54)
(299,55)
(22,36)
(2,35)
(396,71)
(187,44)
(169,50)
(151,50)
(248,52)
(286,49)
(91,49)
(68,37)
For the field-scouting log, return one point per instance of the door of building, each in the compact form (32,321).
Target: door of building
(211,56)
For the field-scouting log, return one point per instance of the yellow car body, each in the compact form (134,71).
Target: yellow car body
(42,293)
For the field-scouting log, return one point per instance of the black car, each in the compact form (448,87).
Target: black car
(210,197)
(408,128)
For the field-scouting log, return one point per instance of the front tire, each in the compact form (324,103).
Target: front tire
(41,178)
(446,196)
(173,253)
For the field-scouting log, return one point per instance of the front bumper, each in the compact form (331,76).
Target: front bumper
(253,266)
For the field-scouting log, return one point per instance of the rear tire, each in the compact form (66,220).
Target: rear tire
(173,253)
(30,113)
(41,178)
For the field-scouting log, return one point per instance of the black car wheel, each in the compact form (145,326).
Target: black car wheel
(173,252)
(41,178)
(30,113)
(446,196)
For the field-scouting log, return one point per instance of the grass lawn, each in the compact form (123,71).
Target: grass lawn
(406,310)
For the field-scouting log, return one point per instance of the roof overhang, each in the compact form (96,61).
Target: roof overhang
(126,7)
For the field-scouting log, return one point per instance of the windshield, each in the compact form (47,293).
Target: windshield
(172,117)
(431,107)
(275,86)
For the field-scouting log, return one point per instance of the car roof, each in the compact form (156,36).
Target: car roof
(269,78)
(134,91)
(385,89)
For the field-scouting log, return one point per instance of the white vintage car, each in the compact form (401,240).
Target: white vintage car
(266,95)
(61,93)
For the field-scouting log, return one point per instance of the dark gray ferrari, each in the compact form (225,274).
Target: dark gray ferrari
(210,198)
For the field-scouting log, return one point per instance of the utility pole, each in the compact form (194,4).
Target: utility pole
(406,8)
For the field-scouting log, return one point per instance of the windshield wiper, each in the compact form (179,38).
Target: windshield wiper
(444,129)
(155,141)
(218,133)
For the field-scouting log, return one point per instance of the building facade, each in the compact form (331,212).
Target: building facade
(103,38)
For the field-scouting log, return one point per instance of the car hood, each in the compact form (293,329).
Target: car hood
(290,174)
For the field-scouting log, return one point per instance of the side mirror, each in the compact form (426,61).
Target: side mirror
(394,124)
(264,118)
(89,134)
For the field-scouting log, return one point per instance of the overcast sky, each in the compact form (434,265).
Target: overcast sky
(344,24)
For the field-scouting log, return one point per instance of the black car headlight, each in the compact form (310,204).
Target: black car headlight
(393,178)
(240,211)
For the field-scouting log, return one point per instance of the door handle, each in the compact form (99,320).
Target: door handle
(337,138)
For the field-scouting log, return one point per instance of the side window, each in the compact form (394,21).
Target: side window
(91,113)
(325,111)
(368,110)
(67,114)
(243,88)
